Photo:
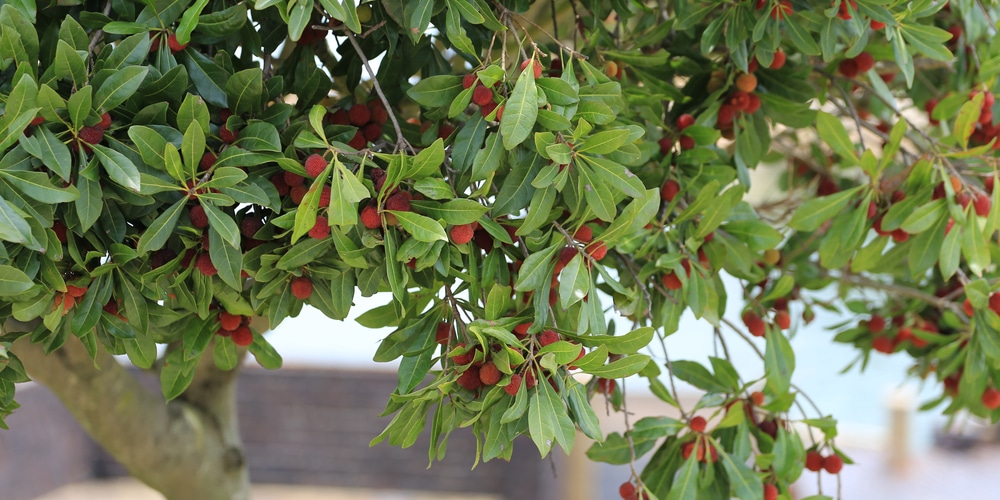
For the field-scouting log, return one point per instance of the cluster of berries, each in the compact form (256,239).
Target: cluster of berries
(369,118)
(236,327)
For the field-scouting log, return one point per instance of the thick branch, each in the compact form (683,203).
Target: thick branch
(187,448)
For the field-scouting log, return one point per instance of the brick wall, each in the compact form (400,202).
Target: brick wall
(300,426)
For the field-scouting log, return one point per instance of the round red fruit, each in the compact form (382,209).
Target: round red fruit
(315,165)
(814,460)
(991,398)
(243,336)
(320,229)
(302,287)
(489,374)
(597,250)
(462,234)
(770,492)
(514,385)
(833,464)
(698,424)
(626,490)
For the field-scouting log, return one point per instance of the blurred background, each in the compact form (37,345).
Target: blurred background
(308,425)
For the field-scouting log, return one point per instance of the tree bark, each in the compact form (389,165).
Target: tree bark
(187,449)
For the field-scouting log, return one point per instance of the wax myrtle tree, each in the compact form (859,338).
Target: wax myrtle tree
(514,174)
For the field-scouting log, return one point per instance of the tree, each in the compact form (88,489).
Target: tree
(512,172)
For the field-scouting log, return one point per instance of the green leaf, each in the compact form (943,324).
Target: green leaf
(801,37)
(45,146)
(420,227)
(833,132)
(967,119)
(537,269)
(118,166)
(436,91)
(13,281)
(118,87)
(265,354)
(697,375)
(154,237)
(742,479)
(621,344)
(685,486)
(779,362)
(189,21)
(37,185)
(621,368)
(454,212)
(541,423)
(816,211)
(244,90)
(177,374)
(520,111)
(975,247)
(604,142)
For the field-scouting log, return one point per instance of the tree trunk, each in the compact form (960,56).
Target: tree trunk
(187,449)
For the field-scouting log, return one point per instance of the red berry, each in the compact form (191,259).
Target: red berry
(206,266)
(983,204)
(229,322)
(686,142)
(876,324)
(198,217)
(315,165)
(59,228)
(462,234)
(105,122)
(665,145)
(298,193)
(991,398)
(470,379)
(814,460)
(597,250)
(781,11)
(443,333)
(757,398)
(884,345)
(671,281)
(833,464)
(537,67)
(36,121)
(243,336)
(877,25)
(489,374)
(548,337)
(584,234)
(521,330)
(865,62)
(770,492)
(995,302)
(967,308)
(228,136)
(848,68)
(399,202)
(371,132)
(174,45)
(899,236)
(91,134)
(754,324)
(779,59)
(606,385)
(482,95)
(302,287)
(783,320)
(514,385)
(359,115)
(684,121)
(469,80)
(320,229)
(370,217)
(754,104)
(626,490)
(698,424)
(669,190)
(207,160)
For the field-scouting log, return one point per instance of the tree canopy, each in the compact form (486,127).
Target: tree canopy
(514,173)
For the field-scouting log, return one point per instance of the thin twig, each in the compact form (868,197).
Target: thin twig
(400,140)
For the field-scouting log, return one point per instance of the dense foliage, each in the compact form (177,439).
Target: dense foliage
(515,173)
